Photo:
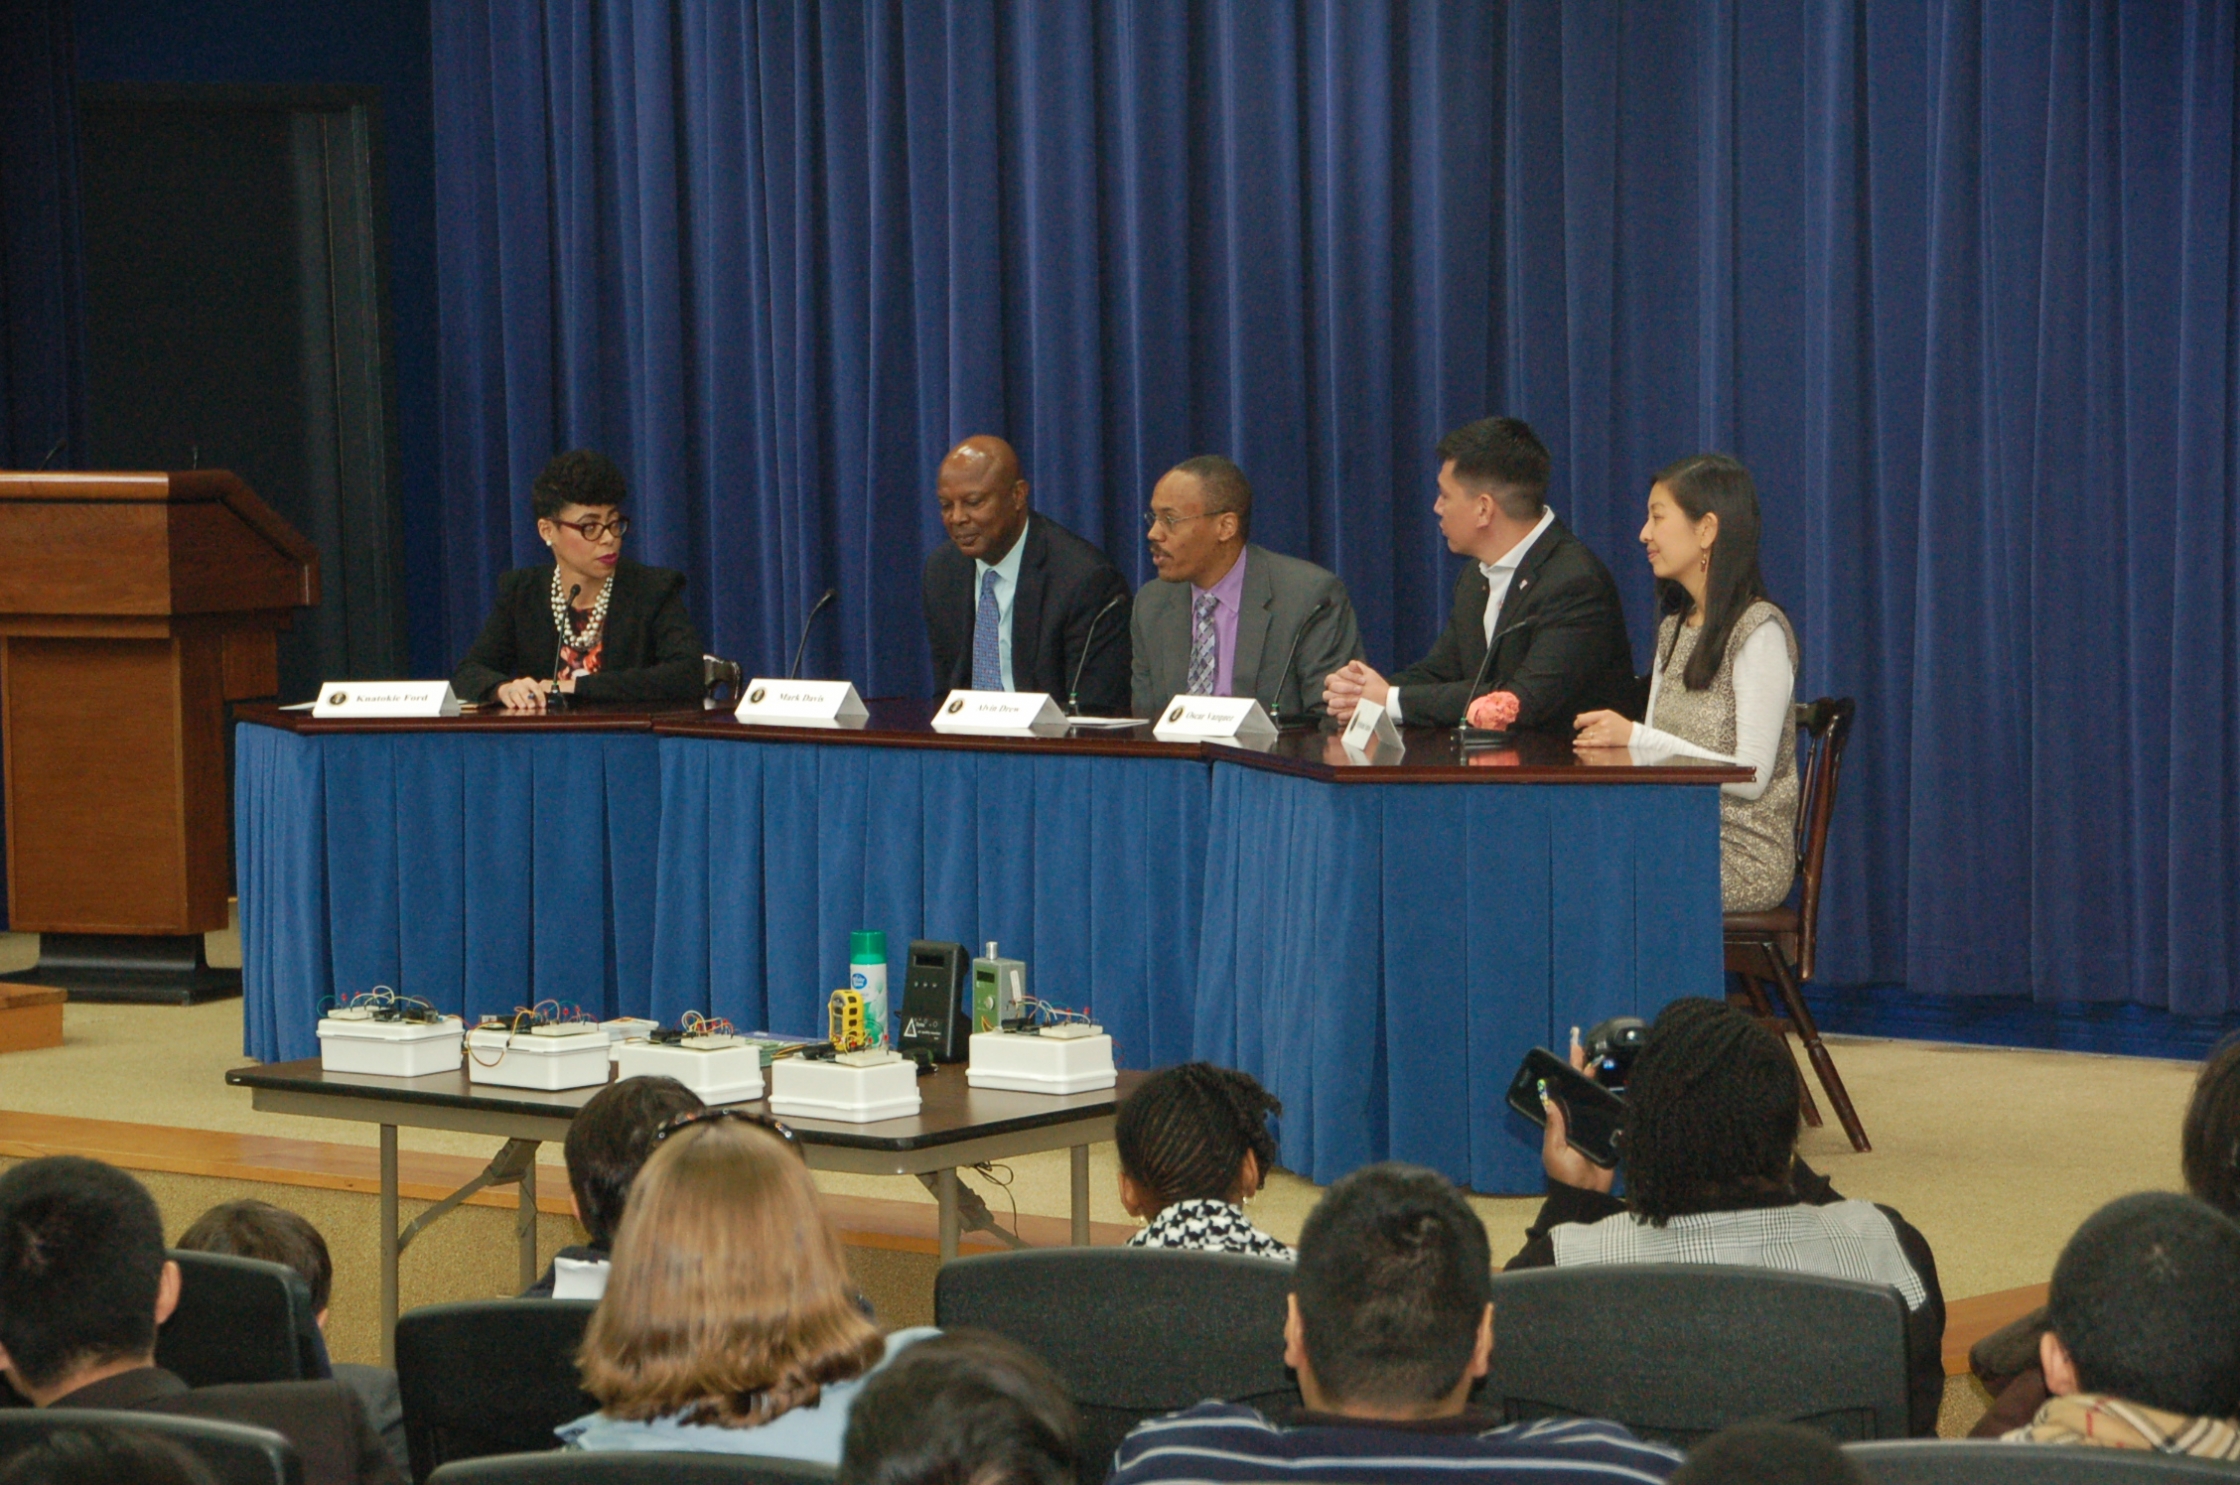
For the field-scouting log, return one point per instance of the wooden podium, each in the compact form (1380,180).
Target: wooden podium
(133,609)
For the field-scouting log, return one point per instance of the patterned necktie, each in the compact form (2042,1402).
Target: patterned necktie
(987,658)
(1202,657)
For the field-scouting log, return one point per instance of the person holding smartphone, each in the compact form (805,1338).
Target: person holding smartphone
(1709,1156)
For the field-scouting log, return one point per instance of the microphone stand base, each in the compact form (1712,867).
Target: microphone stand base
(1475,739)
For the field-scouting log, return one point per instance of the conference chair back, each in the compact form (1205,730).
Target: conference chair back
(1679,1351)
(632,1467)
(1987,1462)
(241,1320)
(1134,1333)
(488,1377)
(235,1452)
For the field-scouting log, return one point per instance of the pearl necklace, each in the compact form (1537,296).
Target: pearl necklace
(589,639)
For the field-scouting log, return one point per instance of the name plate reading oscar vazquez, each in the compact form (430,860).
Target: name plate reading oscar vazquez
(1370,736)
(1229,719)
(386,699)
(769,703)
(1000,713)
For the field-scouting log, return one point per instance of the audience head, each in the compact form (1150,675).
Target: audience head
(258,1229)
(2212,1131)
(580,477)
(1495,465)
(83,1277)
(982,498)
(1194,1132)
(1703,519)
(1711,1113)
(964,1408)
(1392,1315)
(1768,1454)
(609,1142)
(1200,518)
(2145,1306)
(759,1319)
(105,1456)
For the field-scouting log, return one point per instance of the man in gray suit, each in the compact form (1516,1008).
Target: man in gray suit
(1223,616)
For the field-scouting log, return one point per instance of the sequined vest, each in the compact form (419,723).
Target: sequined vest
(1757,837)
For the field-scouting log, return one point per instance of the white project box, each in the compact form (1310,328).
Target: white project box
(392,1049)
(843,1092)
(570,1055)
(726,1073)
(621,1029)
(1030,1062)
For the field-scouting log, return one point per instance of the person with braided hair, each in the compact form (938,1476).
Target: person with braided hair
(1712,1176)
(1194,1146)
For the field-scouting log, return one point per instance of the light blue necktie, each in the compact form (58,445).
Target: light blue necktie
(987,657)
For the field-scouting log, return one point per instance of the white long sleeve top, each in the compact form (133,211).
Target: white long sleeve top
(1764,688)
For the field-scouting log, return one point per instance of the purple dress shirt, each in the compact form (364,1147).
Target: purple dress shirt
(1228,601)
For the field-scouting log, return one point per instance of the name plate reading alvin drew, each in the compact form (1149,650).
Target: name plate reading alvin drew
(1371,731)
(769,703)
(1229,719)
(386,699)
(999,713)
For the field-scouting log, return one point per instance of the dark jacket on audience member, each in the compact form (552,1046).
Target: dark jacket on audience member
(322,1419)
(1561,649)
(1924,1327)
(650,650)
(1063,582)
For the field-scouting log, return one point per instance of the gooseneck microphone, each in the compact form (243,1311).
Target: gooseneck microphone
(55,449)
(1305,716)
(1073,692)
(794,674)
(1472,734)
(559,699)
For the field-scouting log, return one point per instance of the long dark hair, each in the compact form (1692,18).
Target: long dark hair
(1714,484)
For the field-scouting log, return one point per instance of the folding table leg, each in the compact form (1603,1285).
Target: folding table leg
(389,1245)
(1080,1196)
(945,1193)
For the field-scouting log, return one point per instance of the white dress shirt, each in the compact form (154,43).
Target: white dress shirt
(1764,687)
(1499,573)
(1007,588)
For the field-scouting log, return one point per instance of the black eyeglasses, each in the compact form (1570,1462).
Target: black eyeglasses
(745,1116)
(597,530)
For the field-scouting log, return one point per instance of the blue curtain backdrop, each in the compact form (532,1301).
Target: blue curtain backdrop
(1956,279)
(42,312)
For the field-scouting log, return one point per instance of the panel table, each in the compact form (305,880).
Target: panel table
(958,1125)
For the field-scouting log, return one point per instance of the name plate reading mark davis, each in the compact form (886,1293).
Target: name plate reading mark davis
(999,713)
(386,699)
(1229,719)
(1371,734)
(768,703)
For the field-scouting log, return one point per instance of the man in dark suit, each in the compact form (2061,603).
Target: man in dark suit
(1225,617)
(1012,600)
(1543,601)
(83,1285)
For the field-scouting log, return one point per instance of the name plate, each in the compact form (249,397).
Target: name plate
(999,713)
(1230,719)
(386,699)
(769,703)
(1371,733)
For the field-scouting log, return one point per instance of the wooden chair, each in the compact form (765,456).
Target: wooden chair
(1776,946)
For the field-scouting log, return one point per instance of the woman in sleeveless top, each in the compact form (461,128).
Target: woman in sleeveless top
(1723,674)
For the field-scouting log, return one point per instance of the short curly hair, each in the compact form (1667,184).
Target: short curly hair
(1711,1114)
(578,477)
(1183,1133)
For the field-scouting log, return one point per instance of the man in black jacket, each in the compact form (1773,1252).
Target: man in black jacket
(1012,600)
(1544,602)
(83,1285)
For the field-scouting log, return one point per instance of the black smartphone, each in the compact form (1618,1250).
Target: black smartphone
(1592,1114)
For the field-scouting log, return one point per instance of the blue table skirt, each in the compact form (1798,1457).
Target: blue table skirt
(1091,869)
(476,871)
(1380,956)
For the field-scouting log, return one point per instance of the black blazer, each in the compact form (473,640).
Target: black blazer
(1063,582)
(650,651)
(1560,642)
(322,1419)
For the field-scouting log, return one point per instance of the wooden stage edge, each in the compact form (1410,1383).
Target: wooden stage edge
(862,1221)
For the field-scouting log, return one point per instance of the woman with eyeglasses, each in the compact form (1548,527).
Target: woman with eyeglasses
(593,625)
(728,1324)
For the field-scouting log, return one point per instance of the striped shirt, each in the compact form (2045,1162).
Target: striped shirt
(1224,1442)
